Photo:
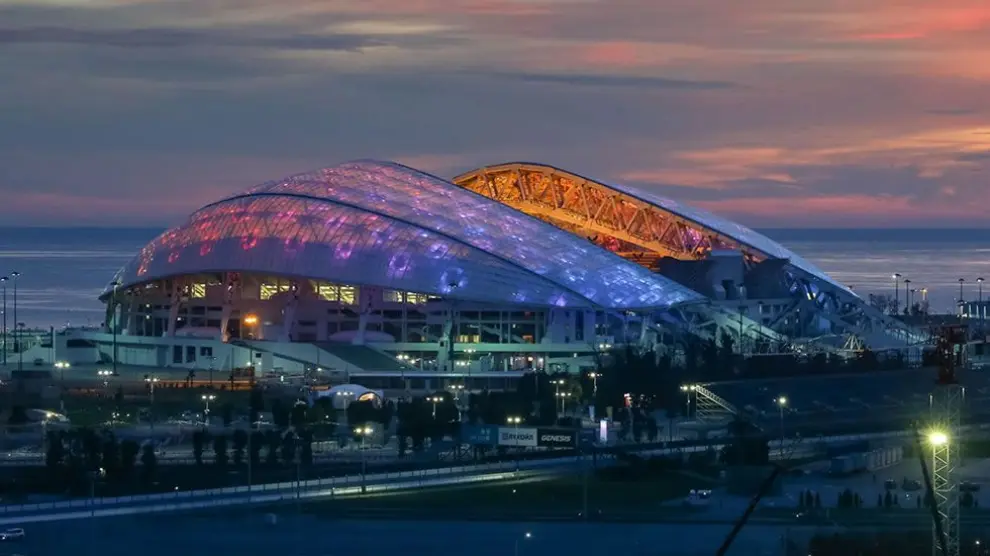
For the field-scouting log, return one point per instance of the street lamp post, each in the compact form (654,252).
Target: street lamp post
(897,292)
(563,400)
(961,280)
(907,296)
(689,390)
(61,366)
(3,281)
(151,381)
(363,432)
(515,421)
(207,398)
(979,305)
(20,348)
(435,400)
(781,404)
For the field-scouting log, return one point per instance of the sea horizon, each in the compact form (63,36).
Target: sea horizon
(64,268)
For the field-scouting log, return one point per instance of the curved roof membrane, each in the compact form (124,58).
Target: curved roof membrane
(743,235)
(383,224)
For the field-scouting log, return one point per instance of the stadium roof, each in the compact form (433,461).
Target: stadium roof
(383,224)
(704,219)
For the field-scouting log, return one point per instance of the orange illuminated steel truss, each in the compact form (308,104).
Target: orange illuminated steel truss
(635,229)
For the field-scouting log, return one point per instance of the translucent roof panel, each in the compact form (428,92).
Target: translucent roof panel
(308,238)
(738,232)
(427,202)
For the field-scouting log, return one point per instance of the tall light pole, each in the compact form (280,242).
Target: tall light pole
(594,383)
(907,296)
(688,389)
(151,381)
(363,432)
(979,305)
(208,398)
(3,280)
(435,400)
(961,280)
(781,404)
(20,349)
(563,400)
(897,292)
(116,284)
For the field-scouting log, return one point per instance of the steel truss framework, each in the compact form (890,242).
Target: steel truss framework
(946,408)
(644,232)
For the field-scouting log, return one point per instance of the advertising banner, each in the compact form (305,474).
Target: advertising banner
(511,436)
(556,438)
(484,435)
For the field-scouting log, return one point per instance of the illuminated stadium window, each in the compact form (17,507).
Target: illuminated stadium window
(268,291)
(417,298)
(197,291)
(392,296)
(348,295)
(328,292)
(466,339)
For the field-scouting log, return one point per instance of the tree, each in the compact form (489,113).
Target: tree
(111,455)
(306,447)
(888,500)
(280,414)
(220,450)
(129,450)
(289,448)
(18,416)
(256,441)
(56,450)
(149,464)
(198,443)
(298,414)
(256,404)
(274,441)
(227,414)
(879,500)
(240,441)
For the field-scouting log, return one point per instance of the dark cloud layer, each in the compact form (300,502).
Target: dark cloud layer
(824,112)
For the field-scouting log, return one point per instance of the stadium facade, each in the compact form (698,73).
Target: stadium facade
(396,278)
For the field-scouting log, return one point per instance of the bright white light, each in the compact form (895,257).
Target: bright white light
(938,438)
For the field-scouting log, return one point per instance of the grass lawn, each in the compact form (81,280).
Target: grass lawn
(560,494)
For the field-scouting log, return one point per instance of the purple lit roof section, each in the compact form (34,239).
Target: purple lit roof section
(308,238)
(430,203)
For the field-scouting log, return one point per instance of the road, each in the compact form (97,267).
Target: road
(304,535)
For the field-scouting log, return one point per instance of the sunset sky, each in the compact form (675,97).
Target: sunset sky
(811,113)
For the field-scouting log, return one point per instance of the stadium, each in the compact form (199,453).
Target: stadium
(376,273)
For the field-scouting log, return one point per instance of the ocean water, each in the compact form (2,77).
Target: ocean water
(63,270)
